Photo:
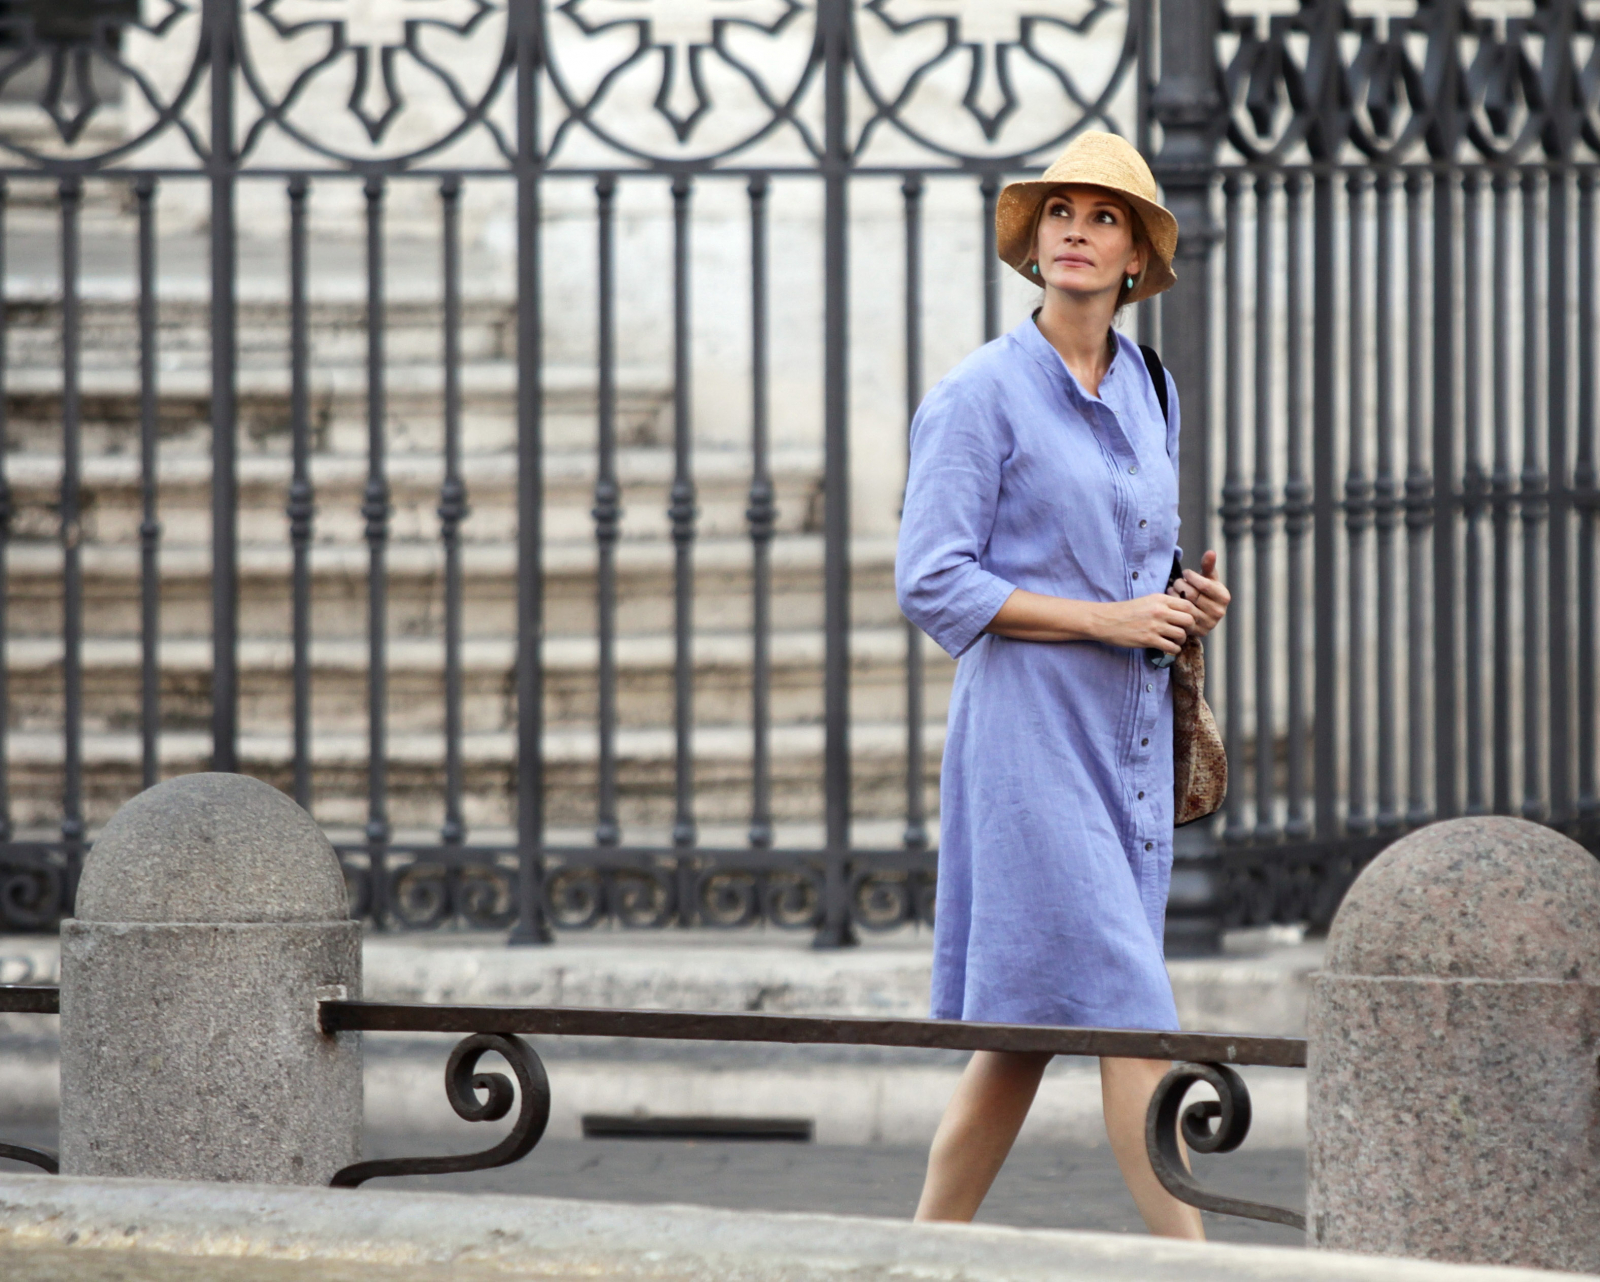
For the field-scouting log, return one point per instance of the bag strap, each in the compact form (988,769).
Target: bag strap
(1158,379)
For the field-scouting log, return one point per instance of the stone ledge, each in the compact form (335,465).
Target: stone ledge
(115,1223)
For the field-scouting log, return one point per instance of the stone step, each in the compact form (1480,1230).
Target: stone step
(415,575)
(111,497)
(414,394)
(415,668)
(646,773)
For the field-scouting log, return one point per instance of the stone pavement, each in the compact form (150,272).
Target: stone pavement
(156,1231)
(1067,1187)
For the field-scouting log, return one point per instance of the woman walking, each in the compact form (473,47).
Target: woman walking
(1039,531)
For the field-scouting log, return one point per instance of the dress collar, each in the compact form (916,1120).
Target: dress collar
(1038,346)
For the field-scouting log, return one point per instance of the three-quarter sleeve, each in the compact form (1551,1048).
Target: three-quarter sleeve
(952,487)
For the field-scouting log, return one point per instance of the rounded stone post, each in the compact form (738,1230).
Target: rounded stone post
(1454,1107)
(210,917)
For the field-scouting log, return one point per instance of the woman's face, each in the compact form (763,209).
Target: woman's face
(1085,241)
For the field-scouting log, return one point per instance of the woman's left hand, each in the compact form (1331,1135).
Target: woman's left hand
(1205,591)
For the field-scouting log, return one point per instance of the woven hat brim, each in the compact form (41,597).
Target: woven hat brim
(1014,226)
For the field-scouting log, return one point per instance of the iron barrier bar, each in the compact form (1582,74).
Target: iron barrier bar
(338,1016)
(1201,1057)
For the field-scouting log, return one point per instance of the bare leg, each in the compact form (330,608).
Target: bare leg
(1126,1086)
(978,1128)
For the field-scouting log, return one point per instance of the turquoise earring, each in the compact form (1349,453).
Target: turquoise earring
(1130,282)
(1035,269)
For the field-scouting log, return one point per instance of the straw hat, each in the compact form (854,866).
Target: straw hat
(1102,160)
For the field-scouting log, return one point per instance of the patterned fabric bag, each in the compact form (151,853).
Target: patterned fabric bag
(1199,761)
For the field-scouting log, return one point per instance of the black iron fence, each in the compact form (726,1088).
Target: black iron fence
(1383,334)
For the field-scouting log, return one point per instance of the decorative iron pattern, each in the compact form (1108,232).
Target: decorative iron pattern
(1231,1113)
(462,1084)
(1403,80)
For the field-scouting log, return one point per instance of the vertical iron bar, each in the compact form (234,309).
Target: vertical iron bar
(301,509)
(1474,487)
(72,826)
(453,510)
(527,39)
(1235,510)
(1502,496)
(607,516)
(149,530)
(1535,504)
(989,188)
(1357,506)
(1324,504)
(916,831)
(1583,494)
(833,17)
(1296,504)
(682,515)
(1419,503)
(221,19)
(7,511)
(1559,594)
(375,510)
(761,515)
(1386,516)
(1186,101)
(1261,502)
(1446,668)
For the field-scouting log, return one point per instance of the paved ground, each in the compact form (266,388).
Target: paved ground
(1041,1187)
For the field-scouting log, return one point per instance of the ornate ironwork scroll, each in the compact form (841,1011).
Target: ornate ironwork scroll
(30,999)
(1231,1113)
(462,1084)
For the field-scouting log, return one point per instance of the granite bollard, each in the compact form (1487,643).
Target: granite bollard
(211,915)
(1453,1102)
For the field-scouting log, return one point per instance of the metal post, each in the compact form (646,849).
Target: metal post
(1188,107)
(221,17)
(833,19)
(531,928)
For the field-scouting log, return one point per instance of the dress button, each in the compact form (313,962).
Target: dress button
(1142,524)
(1134,470)
(1148,687)
(1149,845)
(1144,743)
(1141,796)
(1136,574)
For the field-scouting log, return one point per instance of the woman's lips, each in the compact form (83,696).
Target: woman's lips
(1073,260)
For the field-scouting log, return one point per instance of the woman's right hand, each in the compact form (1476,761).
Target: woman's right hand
(1154,622)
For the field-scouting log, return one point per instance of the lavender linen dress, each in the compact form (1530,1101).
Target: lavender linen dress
(1056,796)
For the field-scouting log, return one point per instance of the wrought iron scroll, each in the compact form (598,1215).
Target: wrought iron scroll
(1231,1113)
(30,999)
(462,1084)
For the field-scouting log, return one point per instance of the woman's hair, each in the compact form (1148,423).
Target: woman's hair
(1141,240)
